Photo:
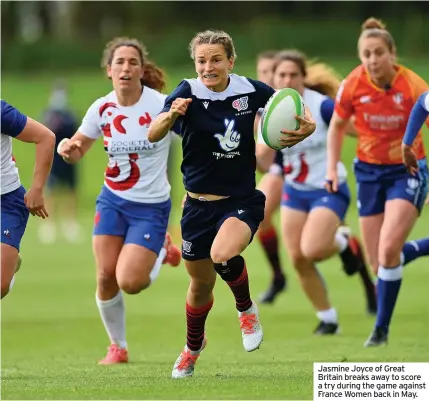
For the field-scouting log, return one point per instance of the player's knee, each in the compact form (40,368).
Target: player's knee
(201,287)
(313,252)
(106,279)
(300,263)
(230,270)
(389,253)
(219,255)
(134,285)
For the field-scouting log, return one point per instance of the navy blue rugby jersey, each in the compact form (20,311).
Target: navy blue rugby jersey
(218,140)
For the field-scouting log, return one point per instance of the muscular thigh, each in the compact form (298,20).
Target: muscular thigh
(293,222)
(134,262)
(9,260)
(320,228)
(225,246)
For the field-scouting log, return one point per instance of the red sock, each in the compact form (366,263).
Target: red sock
(195,322)
(240,289)
(270,244)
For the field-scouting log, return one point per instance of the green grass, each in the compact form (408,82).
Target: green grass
(52,336)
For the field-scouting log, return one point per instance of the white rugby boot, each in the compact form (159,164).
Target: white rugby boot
(251,329)
(185,363)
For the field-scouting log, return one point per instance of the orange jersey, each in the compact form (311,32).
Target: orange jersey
(381,115)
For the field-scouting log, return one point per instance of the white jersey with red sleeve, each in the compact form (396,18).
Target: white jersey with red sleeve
(137,169)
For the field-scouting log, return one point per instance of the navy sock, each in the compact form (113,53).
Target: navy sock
(388,285)
(415,249)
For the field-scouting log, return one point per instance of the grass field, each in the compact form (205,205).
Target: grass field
(52,336)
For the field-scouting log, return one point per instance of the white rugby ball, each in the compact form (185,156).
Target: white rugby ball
(279,113)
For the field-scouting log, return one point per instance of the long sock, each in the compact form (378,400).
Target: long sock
(112,314)
(414,249)
(269,241)
(234,273)
(195,323)
(388,285)
(157,266)
(366,279)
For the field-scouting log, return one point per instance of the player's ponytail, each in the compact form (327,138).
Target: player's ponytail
(323,79)
(153,76)
(375,28)
(373,23)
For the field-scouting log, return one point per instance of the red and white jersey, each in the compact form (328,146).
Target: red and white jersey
(137,169)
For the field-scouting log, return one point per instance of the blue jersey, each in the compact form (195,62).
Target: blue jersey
(217,129)
(12,124)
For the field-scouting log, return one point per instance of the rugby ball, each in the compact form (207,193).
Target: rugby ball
(279,113)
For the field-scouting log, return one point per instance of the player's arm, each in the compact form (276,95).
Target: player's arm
(338,125)
(327,108)
(337,129)
(73,149)
(164,122)
(175,106)
(264,154)
(418,116)
(44,139)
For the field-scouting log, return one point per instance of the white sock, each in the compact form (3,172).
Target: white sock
(328,316)
(157,266)
(341,242)
(112,314)
(12,282)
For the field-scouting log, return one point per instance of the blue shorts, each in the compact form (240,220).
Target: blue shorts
(138,223)
(201,221)
(377,184)
(306,201)
(14,217)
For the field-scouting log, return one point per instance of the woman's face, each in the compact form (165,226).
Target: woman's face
(264,70)
(288,75)
(126,69)
(376,57)
(213,66)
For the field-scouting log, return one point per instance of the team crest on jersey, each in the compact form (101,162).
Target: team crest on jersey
(398,98)
(241,103)
(230,139)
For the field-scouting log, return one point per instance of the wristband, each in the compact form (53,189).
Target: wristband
(62,142)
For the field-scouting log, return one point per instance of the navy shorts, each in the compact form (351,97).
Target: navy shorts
(142,224)
(14,217)
(392,182)
(201,221)
(306,201)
